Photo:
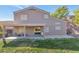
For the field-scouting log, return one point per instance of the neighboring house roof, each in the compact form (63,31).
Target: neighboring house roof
(6,23)
(69,18)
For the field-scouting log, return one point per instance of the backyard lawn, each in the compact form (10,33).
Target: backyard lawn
(64,45)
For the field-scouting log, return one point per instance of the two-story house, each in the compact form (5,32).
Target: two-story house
(32,21)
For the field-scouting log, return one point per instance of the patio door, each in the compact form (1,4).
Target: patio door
(9,32)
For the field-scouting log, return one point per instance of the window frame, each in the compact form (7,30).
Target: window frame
(46,29)
(46,16)
(58,28)
(24,17)
(57,23)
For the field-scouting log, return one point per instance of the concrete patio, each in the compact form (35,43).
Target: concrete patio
(41,37)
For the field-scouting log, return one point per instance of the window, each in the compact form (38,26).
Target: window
(23,17)
(37,29)
(46,16)
(58,28)
(57,23)
(46,29)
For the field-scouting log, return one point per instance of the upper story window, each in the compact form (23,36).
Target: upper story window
(57,23)
(57,28)
(24,17)
(46,16)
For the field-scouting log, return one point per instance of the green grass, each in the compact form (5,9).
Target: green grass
(64,45)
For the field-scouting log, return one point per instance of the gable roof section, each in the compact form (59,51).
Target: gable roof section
(56,19)
(31,8)
(14,23)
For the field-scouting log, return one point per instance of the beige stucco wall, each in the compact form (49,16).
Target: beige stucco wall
(28,30)
(18,29)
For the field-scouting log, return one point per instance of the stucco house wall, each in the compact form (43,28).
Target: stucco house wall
(36,16)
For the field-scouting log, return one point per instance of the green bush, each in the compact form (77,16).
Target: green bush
(41,45)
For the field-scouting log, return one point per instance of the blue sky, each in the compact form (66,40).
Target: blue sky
(6,11)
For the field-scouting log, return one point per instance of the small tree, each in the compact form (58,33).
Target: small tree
(2,34)
(76,17)
(61,12)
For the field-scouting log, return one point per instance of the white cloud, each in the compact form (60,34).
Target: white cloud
(20,6)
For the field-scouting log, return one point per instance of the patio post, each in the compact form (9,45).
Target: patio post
(24,32)
(14,33)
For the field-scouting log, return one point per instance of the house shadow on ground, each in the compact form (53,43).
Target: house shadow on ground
(69,44)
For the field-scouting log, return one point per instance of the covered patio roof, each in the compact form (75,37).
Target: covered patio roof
(13,23)
(28,24)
